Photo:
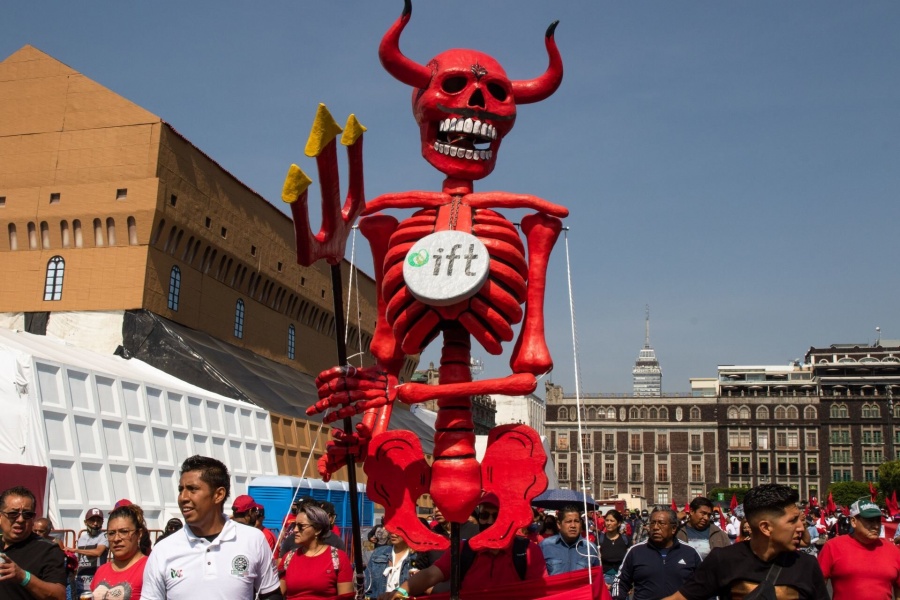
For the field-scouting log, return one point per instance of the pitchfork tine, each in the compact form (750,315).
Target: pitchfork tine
(337,221)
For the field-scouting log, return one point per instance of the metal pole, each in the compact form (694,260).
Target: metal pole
(337,291)
(454,561)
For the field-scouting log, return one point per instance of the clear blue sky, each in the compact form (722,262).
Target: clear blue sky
(735,165)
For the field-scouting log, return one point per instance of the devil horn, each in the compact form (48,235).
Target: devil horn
(535,90)
(403,69)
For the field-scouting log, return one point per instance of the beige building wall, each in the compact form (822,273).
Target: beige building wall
(122,198)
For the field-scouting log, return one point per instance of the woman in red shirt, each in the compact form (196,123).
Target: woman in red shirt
(314,570)
(121,577)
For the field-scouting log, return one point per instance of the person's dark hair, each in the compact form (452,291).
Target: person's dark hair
(673,516)
(318,518)
(328,507)
(701,501)
(614,514)
(550,524)
(771,498)
(135,514)
(21,492)
(213,472)
(570,508)
(175,524)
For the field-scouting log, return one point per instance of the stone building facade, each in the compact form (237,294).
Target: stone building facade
(807,425)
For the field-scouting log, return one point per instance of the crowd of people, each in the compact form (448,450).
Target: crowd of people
(769,549)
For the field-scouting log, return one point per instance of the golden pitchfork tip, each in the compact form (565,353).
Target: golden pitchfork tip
(337,220)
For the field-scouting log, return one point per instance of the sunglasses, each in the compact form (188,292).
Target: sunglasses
(301,526)
(485,515)
(14,515)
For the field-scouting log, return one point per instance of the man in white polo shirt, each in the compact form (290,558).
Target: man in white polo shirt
(213,557)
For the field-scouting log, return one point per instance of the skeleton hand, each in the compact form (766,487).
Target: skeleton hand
(351,391)
(344,445)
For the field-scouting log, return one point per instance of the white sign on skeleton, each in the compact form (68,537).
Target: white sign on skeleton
(446,267)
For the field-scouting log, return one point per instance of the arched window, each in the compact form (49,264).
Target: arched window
(76,230)
(563,413)
(762,412)
(132,232)
(64,233)
(98,233)
(732,412)
(111,231)
(839,411)
(695,413)
(174,288)
(810,412)
(13,237)
(654,414)
(644,414)
(291,336)
(32,237)
(45,235)
(53,283)
(158,233)
(239,319)
(780,412)
(664,413)
(633,413)
(611,414)
(792,412)
(744,413)
(592,414)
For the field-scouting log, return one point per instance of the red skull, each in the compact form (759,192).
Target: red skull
(463,102)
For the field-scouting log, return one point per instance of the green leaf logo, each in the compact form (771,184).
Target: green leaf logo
(419,259)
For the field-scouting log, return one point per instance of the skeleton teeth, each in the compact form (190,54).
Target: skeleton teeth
(475,155)
(453,150)
(443,125)
(490,154)
(476,127)
(493,133)
(485,130)
(451,126)
(468,126)
(468,154)
(437,146)
(482,154)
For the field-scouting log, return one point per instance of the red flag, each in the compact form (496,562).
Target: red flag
(674,506)
(814,501)
(830,506)
(873,493)
(734,502)
(722,523)
(687,508)
(822,526)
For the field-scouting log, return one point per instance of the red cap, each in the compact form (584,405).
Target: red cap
(94,512)
(124,502)
(243,504)
(490,498)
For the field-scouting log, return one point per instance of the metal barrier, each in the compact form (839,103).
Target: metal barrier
(67,536)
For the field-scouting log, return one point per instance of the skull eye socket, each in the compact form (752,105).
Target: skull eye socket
(453,85)
(497,91)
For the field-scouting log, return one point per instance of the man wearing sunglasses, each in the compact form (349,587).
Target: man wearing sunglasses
(31,567)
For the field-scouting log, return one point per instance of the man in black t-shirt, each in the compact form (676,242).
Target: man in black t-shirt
(31,567)
(777,526)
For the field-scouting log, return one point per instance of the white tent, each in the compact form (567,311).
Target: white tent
(108,428)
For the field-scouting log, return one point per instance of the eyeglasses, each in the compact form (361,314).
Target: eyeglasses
(301,526)
(14,515)
(120,533)
(660,523)
(485,515)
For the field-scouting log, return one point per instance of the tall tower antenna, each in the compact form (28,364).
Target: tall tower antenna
(647,326)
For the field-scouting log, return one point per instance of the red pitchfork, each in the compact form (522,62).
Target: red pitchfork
(330,243)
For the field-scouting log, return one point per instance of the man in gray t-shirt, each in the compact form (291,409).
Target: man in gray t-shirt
(92,548)
(699,531)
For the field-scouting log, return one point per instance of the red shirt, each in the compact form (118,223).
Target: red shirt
(858,571)
(309,578)
(270,537)
(123,585)
(490,569)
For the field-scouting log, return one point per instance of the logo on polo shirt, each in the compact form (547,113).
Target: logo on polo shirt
(239,565)
(175,574)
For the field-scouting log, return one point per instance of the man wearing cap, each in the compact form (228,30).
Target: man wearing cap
(862,564)
(521,560)
(244,509)
(212,557)
(92,548)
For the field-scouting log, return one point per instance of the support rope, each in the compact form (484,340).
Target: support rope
(578,406)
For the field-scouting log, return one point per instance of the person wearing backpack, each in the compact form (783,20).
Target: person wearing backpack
(480,570)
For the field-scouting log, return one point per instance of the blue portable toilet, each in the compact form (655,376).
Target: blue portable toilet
(275,493)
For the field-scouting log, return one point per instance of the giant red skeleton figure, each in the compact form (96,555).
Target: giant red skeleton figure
(464,104)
